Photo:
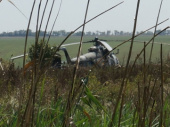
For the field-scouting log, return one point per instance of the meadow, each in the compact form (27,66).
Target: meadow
(120,96)
(135,93)
(15,46)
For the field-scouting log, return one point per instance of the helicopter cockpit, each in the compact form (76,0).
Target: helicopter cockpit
(93,49)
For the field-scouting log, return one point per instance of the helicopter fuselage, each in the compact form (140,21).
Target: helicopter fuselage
(99,54)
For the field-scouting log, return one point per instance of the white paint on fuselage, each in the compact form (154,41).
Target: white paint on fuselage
(88,56)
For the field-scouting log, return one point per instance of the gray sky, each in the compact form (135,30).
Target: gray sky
(73,11)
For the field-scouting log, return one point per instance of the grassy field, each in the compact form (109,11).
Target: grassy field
(39,95)
(97,97)
(93,102)
(15,46)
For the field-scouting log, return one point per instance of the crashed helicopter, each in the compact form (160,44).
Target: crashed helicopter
(99,54)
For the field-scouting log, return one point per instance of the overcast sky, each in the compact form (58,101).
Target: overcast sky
(72,15)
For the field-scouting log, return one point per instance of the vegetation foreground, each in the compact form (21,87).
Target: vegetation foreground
(145,98)
(42,96)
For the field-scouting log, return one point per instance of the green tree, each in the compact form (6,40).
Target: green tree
(42,50)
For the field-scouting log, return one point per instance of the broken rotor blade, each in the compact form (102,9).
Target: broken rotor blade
(159,43)
(1,66)
(16,57)
(74,43)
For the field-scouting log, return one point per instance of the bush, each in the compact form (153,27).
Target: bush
(42,50)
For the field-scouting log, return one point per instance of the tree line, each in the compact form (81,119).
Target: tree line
(22,33)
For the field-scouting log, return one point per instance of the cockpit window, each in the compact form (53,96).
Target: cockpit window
(92,49)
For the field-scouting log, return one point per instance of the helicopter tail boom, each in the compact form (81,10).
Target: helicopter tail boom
(66,54)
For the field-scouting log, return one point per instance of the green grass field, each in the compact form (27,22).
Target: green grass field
(49,96)
(15,46)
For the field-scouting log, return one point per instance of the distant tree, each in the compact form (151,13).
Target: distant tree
(22,32)
(108,32)
(102,33)
(78,33)
(97,33)
(29,32)
(149,33)
(62,33)
(168,32)
(41,33)
(16,33)
(89,33)
(4,34)
(121,33)
(93,34)
(56,33)
(10,34)
(116,32)
(157,31)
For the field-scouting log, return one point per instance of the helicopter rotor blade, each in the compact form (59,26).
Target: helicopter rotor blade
(16,57)
(159,43)
(141,42)
(75,43)
(69,44)
(65,45)
(1,66)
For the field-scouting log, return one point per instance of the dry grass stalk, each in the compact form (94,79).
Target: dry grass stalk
(127,65)
(151,117)
(46,45)
(139,34)
(41,52)
(151,94)
(29,111)
(145,87)
(161,92)
(16,8)
(21,120)
(71,97)
(121,107)
(145,103)
(150,57)
(54,21)
(145,47)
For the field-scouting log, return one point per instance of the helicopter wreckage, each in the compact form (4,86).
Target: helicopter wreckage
(99,54)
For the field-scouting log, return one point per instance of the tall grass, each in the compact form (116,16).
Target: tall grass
(75,96)
(94,101)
